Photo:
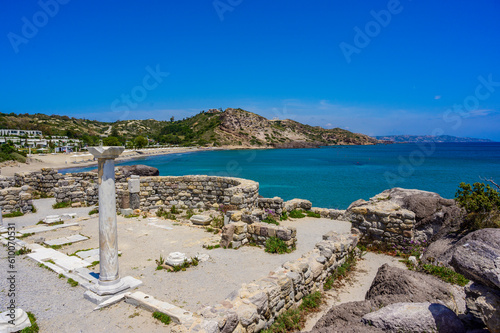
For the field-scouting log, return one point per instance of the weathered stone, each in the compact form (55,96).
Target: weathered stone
(227,235)
(201,219)
(477,257)
(483,304)
(415,317)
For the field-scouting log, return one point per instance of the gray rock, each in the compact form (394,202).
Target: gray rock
(201,219)
(477,257)
(138,170)
(396,285)
(483,304)
(415,317)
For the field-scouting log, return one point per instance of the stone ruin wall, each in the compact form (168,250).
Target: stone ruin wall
(257,304)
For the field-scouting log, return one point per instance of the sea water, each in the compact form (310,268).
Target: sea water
(335,176)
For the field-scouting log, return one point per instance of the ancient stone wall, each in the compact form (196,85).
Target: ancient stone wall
(196,191)
(237,234)
(274,204)
(16,199)
(256,305)
(43,181)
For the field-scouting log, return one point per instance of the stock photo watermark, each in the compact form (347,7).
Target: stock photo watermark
(373,28)
(139,93)
(470,104)
(223,6)
(30,27)
(11,273)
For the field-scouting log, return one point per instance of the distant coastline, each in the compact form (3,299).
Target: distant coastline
(428,138)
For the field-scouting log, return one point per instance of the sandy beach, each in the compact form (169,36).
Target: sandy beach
(75,160)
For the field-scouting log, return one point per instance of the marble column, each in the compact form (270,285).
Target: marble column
(109,279)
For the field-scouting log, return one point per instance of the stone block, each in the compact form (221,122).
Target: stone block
(151,304)
(201,219)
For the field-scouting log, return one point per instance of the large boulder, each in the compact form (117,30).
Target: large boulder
(483,304)
(399,285)
(137,170)
(391,285)
(290,205)
(477,257)
(415,317)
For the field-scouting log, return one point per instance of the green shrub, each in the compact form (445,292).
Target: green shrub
(162,317)
(174,210)
(313,214)
(289,321)
(311,301)
(283,216)
(276,245)
(296,214)
(478,198)
(63,204)
(445,274)
(94,211)
(482,204)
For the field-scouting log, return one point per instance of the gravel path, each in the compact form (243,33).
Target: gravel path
(356,288)
(44,208)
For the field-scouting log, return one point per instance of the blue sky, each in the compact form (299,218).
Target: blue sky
(375,67)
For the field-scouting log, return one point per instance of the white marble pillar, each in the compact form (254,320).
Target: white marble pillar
(109,279)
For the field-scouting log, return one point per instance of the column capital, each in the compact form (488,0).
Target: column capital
(106,152)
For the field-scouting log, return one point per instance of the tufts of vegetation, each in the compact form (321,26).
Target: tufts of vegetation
(341,271)
(283,216)
(94,211)
(159,263)
(23,250)
(296,214)
(313,214)
(162,317)
(63,204)
(270,219)
(446,274)
(72,282)
(34,326)
(211,247)
(14,214)
(293,320)
(276,245)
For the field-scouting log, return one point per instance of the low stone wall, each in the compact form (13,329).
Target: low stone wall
(256,305)
(43,181)
(274,204)
(16,199)
(237,234)
(381,222)
(193,191)
(6,182)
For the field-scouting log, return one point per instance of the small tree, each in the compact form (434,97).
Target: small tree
(140,142)
(111,141)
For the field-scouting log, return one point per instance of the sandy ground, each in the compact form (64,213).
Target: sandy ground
(61,308)
(62,161)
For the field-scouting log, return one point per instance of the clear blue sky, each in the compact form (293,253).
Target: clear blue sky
(286,59)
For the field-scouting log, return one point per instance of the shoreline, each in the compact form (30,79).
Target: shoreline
(63,161)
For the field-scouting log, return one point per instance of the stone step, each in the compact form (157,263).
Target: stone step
(44,228)
(151,304)
(66,240)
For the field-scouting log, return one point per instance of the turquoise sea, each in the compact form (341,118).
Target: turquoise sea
(333,177)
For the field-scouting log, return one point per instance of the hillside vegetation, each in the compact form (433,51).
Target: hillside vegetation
(234,127)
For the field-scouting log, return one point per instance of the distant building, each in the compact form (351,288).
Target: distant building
(16,132)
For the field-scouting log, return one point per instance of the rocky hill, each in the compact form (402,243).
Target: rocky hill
(428,138)
(235,127)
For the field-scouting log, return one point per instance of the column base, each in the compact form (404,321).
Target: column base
(21,321)
(98,298)
(109,287)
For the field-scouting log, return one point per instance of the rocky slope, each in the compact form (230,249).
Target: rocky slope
(235,127)
(428,138)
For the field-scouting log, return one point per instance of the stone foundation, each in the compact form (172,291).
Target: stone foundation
(16,199)
(256,305)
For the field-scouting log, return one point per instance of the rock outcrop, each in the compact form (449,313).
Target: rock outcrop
(477,257)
